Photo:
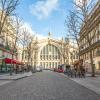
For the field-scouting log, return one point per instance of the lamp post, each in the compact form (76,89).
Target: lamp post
(11,66)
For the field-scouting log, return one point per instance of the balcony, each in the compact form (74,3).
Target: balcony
(94,45)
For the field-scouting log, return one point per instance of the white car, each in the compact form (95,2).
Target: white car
(38,69)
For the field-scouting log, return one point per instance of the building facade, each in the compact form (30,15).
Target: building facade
(91,30)
(50,52)
(7,49)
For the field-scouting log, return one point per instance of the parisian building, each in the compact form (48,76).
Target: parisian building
(92,29)
(50,52)
(7,39)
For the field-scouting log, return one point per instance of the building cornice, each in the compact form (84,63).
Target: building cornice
(91,22)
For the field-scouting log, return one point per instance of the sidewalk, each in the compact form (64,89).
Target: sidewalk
(92,83)
(15,76)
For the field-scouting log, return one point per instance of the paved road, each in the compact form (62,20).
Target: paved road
(46,86)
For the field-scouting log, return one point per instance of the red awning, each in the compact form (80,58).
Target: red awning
(11,61)
(8,60)
(14,62)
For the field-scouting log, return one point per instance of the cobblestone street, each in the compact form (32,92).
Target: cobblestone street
(46,85)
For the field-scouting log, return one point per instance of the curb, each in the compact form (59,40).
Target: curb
(15,78)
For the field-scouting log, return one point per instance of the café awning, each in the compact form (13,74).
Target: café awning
(8,61)
(12,61)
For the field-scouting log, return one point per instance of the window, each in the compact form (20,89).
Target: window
(50,52)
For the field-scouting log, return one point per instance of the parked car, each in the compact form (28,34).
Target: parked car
(60,70)
(38,69)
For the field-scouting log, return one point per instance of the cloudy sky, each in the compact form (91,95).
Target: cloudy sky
(42,16)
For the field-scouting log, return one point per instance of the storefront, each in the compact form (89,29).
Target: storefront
(8,63)
(5,65)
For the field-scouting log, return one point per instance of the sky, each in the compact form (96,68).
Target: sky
(44,16)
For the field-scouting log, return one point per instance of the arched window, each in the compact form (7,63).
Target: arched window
(49,56)
(50,52)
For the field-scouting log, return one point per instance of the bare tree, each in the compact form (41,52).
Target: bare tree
(23,41)
(17,22)
(7,8)
(73,27)
(79,17)
(26,41)
(30,49)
